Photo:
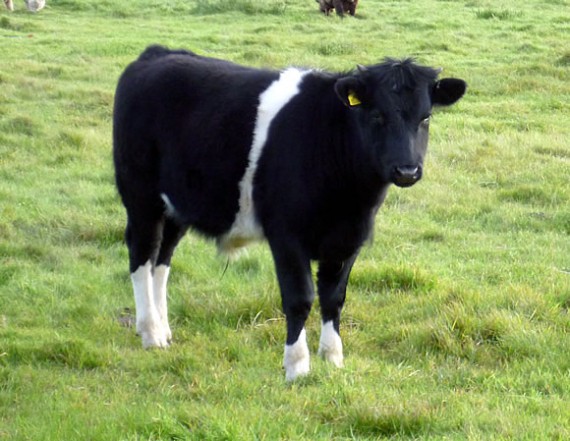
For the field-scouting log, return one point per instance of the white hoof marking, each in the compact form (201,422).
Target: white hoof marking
(296,359)
(330,345)
(160,280)
(150,324)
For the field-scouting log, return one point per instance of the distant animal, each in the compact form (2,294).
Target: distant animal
(340,6)
(32,5)
(300,158)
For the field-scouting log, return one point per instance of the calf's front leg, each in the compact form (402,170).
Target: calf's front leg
(332,282)
(294,275)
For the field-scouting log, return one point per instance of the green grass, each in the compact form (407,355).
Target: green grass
(457,324)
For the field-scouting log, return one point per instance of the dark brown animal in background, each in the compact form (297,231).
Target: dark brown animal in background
(340,6)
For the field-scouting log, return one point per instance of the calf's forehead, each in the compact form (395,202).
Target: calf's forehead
(411,102)
(400,84)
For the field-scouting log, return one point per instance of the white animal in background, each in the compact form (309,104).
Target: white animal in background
(32,5)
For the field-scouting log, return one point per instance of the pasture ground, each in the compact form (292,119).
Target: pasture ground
(457,323)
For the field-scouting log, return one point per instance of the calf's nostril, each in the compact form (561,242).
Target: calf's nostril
(407,171)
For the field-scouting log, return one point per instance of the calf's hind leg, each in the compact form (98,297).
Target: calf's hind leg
(152,238)
(172,233)
(144,236)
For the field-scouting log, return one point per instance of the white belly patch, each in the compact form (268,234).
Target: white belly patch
(246,228)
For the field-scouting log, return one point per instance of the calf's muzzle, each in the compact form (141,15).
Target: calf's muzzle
(406,175)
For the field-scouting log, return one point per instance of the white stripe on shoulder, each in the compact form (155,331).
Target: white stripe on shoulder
(245,228)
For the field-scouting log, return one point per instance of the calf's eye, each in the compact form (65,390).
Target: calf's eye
(378,118)
(425,121)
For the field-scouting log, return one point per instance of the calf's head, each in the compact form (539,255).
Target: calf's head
(392,103)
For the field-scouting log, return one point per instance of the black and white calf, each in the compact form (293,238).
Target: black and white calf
(301,158)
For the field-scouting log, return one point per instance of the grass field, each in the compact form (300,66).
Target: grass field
(457,324)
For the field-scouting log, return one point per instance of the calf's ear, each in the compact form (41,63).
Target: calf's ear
(448,91)
(349,91)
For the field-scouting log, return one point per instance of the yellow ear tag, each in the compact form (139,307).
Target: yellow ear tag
(353,99)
